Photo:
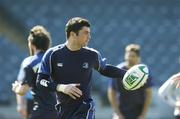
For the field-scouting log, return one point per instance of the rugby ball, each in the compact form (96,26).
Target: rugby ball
(135,77)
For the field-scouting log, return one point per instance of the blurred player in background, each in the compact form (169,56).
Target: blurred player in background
(129,104)
(170,92)
(44,102)
(70,66)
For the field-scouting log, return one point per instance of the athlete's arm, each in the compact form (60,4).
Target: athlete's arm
(167,90)
(69,89)
(113,101)
(20,89)
(24,80)
(148,96)
(43,82)
(106,69)
(112,71)
(21,106)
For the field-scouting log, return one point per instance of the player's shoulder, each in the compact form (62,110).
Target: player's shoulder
(55,48)
(27,61)
(122,65)
(52,50)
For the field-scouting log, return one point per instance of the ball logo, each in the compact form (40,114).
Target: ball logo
(60,64)
(131,78)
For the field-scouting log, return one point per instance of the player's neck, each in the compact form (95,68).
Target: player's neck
(128,65)
(37,51)
(72,46)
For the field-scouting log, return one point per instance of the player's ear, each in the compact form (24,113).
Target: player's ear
(73,34)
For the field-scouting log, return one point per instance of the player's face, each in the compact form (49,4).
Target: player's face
(132,58)
(83,36)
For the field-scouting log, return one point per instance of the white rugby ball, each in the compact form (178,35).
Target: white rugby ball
(135,77)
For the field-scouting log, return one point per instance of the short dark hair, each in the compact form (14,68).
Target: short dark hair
(40,38)
(133,47)
(75,24)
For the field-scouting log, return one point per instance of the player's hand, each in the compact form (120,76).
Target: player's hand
(118,116)
(70,89)
(177,104)
(15,85)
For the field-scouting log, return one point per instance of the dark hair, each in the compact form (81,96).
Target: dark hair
(40,38)
(75,24)
(133,47)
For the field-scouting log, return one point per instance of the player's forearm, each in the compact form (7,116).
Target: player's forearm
(147,101)
(20,100)
(44,83)
(21,106)
(113,72)
(165,92)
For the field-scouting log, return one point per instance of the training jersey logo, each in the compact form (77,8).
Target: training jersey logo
(60,64)
(44,82)
(85,65)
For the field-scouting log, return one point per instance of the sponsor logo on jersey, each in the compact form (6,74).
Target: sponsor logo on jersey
(44,82)
(60,64)
(85,65)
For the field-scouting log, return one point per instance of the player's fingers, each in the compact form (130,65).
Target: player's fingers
(77,90)
(13,86)
(76,94)
(16,82)
(72,96)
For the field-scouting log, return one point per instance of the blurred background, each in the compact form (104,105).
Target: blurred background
(154,24)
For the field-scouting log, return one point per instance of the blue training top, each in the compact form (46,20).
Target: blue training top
(28,75)
(66,67)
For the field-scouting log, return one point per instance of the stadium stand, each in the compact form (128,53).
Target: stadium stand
(10,58)
(153,25)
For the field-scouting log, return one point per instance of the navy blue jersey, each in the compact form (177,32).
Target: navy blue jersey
(28,75)
(66,67)
(130,100)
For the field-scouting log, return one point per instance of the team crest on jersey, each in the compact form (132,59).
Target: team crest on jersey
(60,64)
(85,65)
